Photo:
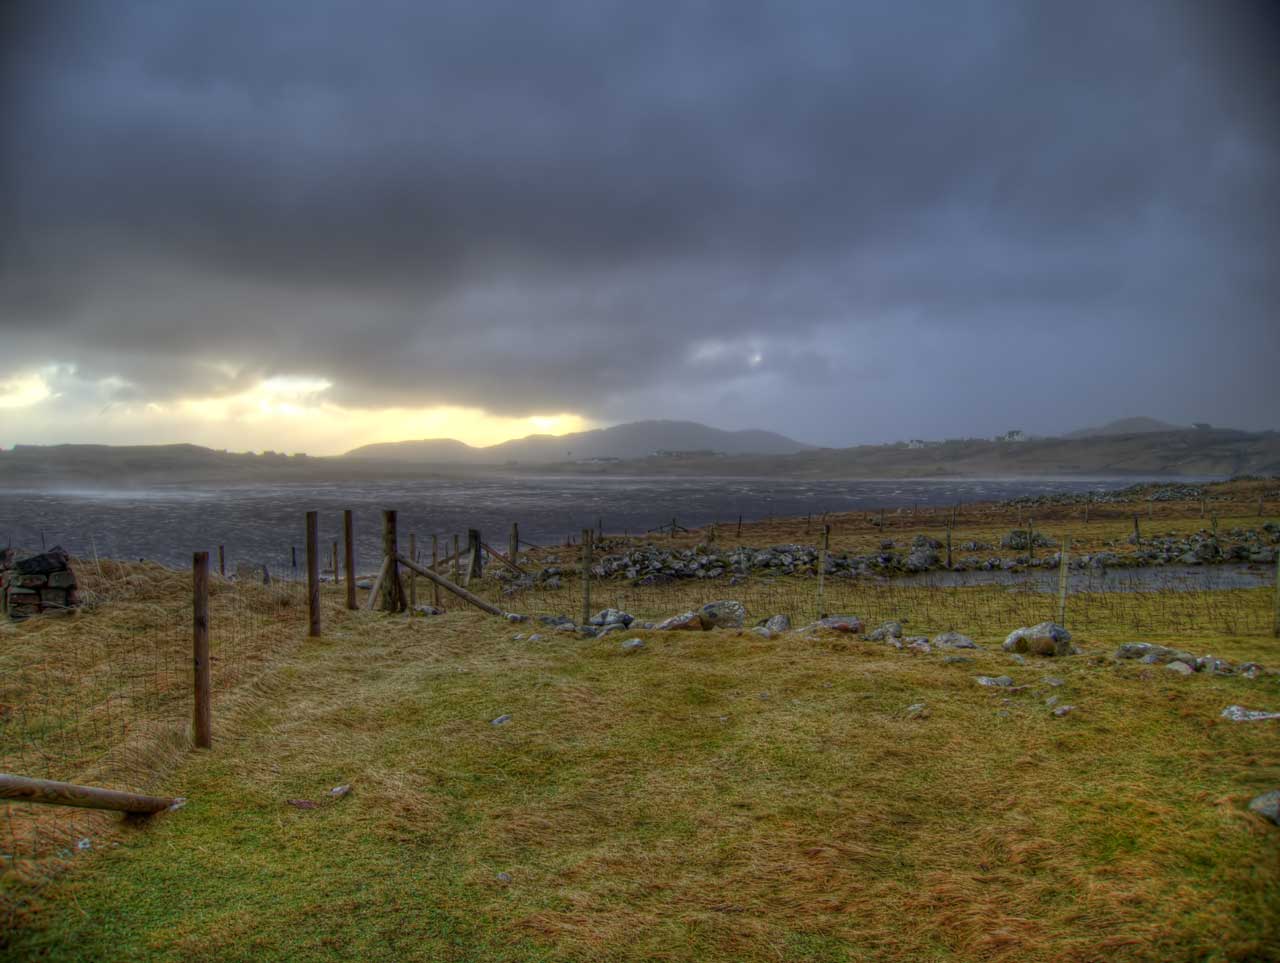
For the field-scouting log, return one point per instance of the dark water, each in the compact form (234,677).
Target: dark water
(261,523)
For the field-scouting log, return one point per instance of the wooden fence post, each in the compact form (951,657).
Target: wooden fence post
(392,590)
(822,568)
(202,719)
(222,562)
(1275,629)
(949,527)
(600,527)
(586,576)
(293,558)
(1062,580)
(513,542)
(1031,538)
(739,526)
(413,576)
(348,527)
(457,559)
(435,558)
(313,574)
(475,563)
(1137,532)
(335,561)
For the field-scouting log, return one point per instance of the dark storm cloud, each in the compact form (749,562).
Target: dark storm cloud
(628,209)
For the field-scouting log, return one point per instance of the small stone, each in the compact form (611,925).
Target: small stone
(958,660)
(999,680)
(502,720)
(917,711)
(1180,668)
(1053,681)
(1046,638)
(1061,711)
(955,640)
(84,844)
(511,617)
(920,644)
(1051,701)
(1267,805)
(886,630)
(503,878)
(630,645)
(724,614)
(1017,659)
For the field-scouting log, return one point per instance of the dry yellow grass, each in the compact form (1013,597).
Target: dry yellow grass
(713,796)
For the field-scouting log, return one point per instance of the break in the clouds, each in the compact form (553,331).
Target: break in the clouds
(846,221)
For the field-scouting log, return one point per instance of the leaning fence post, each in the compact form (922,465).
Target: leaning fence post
(203,715)
(822,567)
(1062,580)
(586,576)
(313,574)
(350,560)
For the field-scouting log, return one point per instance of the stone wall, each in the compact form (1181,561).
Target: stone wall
(41,583)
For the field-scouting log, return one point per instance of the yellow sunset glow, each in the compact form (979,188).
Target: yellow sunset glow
(284,414)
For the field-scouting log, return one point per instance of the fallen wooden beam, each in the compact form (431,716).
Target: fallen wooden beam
(504,560)
(457,590)
(23,789)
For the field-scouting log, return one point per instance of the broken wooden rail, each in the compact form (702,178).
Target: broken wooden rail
(49,792)
(448,586)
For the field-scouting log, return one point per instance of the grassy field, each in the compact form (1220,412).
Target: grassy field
(711,796)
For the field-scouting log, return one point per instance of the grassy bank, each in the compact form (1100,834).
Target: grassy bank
(712,796)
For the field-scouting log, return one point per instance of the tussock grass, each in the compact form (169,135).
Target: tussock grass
(713,796)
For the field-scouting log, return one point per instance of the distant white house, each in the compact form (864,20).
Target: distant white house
(1015,434)
(916,443)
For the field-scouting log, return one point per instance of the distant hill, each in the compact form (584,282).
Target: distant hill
(637,439)
(1126,426)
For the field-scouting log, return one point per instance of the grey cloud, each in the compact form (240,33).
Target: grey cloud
(538,207)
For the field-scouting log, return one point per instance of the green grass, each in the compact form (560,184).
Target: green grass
(714,796)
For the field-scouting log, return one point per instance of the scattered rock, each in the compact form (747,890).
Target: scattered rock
(999,680)
(958,660)
(836,623)
(502,720)
(1241,714)
(955,640)
(632,644)
(724,614)
(917,711)
(920,644)
(778,623)
(1061,711)
(1053,681)
(503,878)
(685,621)
(511,616)
(1267,805)
(1180,668)
(611,617)
(886,630)
(1047,638)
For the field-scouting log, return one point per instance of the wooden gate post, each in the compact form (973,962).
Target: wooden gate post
(202,720)
(392,590)
(513,543)
(348,526)
(313,574)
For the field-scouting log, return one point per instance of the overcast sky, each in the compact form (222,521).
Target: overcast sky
(311,225)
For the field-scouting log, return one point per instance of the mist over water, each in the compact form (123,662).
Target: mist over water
(261,523)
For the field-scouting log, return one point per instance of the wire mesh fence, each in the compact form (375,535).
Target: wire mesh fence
(108,702)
